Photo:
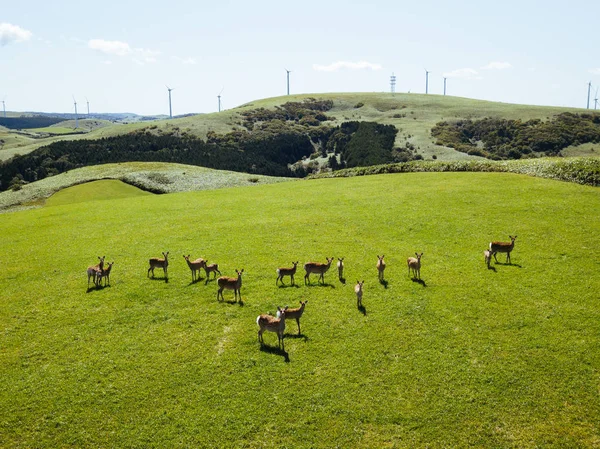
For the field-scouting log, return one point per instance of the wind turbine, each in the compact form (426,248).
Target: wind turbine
(76,122)
(170,110)
(589,89)
(426,81)
(445,85)
(219,97)
(88,106)
(4,106)
(288,80)
(596,100)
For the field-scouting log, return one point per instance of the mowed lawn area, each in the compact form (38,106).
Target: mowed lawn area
(506,357)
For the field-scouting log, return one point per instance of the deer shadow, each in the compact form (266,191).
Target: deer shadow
(275,350)
(288,285)
(362,309)
(384,283)
(232,301)
(297,337)
(165,279)
(343,281)
(508,264)
(419,281)
(321,285)
(195,281)
(492,268)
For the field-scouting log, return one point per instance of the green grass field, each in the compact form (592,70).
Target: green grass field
(508,357)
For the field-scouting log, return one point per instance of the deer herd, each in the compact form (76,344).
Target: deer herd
(101,272)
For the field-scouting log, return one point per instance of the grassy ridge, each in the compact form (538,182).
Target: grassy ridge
(95,190)
(506,357)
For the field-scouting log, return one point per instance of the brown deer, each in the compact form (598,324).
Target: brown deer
(212,268)
(105,273)
(415,265)
(340,267)
(503,247)
(380,266)
(92,271)
(281,272)
(156,262)
(195,266)
(316,268)
(358,289)
(273,324)
(295,313)
(228,283)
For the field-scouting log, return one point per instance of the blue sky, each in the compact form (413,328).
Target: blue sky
(120,55)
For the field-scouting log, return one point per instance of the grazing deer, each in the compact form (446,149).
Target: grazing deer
(195,266)
(340,267)
(487,254)
(358,289)
(281,272)
(316,268)
(295,313)
(415,265)
(380,267)
(92,271)
(503,247)
(273,324)
(228,283)
(157,262)
(212,268)
(105,273)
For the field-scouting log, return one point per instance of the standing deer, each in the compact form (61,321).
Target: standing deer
(295,313)
(281,272)
(358,289)
(415,265)
(503,247)
(273,324)
(212,268)
(340,267)
(487,254)
(195,266)
(228,283)
(92,271)
(380,267)
(316,268)
(156,262)
(105,273)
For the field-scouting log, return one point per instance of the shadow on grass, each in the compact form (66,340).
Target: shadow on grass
(209,280)
(506,264)
(288,285)
(362,309)
(297,337)
(165,279)
(195,281)
(321,285)
(384,283)
(343,281)
(97,288)
(492,268)
(275,350)
(419,281)
(232,301)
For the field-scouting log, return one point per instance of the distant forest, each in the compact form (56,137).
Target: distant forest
(38,121)
(274,143)
(513,139)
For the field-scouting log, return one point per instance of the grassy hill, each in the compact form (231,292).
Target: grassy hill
(413,114)
(507,357)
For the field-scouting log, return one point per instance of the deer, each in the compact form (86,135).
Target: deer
(380,266)
(503,247)
(295,313)
(415,265)
(105,273)
(487,254)
(270,323)
(340,267)
(156,262)
(228,283)
(92,271)
(316,268)
(212,268)
(358,289)
(281,272)
(195,266)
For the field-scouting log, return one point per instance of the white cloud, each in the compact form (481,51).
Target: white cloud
(335,66)
(12,33)
(187,61)
(117,48)
(466,73)
(497,66)
(595,71)
(110,47)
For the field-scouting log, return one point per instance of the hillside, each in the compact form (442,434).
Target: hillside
(413,114)
(467,357)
